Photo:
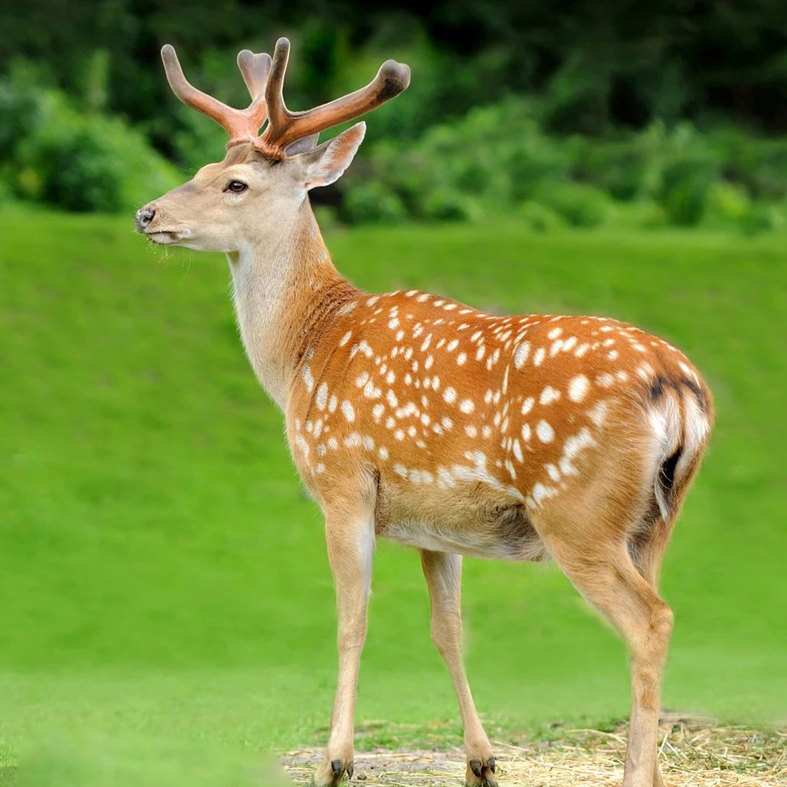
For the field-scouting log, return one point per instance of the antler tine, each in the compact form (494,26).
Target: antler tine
(255,70)
(189,95)
(274,95)
(285,127)
(241,124)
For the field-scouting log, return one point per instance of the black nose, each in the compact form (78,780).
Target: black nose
(144,217)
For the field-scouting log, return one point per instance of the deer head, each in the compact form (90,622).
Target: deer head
(264,178)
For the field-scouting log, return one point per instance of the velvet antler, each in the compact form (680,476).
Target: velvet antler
(285,127)
(242,125)
(265,80)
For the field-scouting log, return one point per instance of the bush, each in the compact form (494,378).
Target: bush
(686,183)
(580,205)
(20,107)
(81,161)
(690,166)
(762,218)
(758,164)
(727,204)
(88,162)
(373,202)
(625,168)
(540,218)
(444,204)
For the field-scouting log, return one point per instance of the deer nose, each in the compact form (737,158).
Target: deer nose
(144,217)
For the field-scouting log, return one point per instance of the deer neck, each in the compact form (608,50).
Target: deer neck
(285,289)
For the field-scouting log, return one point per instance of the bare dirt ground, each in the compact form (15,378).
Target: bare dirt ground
(692,755)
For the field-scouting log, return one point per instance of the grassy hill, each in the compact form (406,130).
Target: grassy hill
(163,576)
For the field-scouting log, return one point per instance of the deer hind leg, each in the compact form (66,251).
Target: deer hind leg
(351,540)
(605,574)
(443,574)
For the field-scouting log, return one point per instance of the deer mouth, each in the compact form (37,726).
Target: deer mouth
(167,237)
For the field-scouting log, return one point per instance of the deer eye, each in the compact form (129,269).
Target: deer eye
(236,187)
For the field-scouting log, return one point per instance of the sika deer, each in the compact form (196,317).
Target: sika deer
(416,418)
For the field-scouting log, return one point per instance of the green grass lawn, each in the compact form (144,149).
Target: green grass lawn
(163,576)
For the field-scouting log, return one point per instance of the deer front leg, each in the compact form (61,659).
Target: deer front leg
(443,574)
(350,538)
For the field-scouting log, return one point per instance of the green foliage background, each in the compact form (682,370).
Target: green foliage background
(565,115)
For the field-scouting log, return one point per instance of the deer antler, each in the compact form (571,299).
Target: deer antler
(265,80)
(285,127)
(242,125)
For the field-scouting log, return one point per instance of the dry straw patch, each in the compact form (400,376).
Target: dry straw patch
(692,755)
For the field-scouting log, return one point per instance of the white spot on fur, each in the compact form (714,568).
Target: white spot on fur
(300,441)
(521,353)
(549,395)
(598,413)
(545,432)
(578,388)
(348,410)
(467,406)
(605,380)
(518,451)
(322,396)
(572,447)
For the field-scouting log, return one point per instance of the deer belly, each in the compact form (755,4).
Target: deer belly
(497,531)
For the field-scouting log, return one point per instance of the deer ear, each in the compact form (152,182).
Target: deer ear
(302,145)
(326,163)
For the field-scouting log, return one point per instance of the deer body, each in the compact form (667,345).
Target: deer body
(469,424)
(416,418)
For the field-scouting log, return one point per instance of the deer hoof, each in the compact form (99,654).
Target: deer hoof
(481,772)
(330,773)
